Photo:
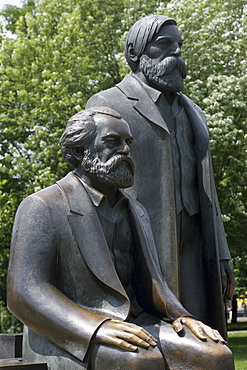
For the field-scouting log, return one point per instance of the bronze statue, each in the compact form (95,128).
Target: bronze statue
(174,177)
(84,275)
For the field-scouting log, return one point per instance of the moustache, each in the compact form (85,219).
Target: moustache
(168,64)
(118,159)
(94,163)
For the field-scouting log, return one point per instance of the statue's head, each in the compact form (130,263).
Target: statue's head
(96,142)
(153,48)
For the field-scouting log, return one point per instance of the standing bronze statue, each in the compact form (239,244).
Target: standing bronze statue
(174,177)
(84,274)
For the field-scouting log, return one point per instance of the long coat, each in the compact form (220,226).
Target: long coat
(62,282)
(154,188)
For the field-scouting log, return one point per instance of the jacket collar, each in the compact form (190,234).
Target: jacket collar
(143,103)
(88,233)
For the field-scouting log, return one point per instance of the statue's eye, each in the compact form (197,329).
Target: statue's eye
(111,141)
(162,42)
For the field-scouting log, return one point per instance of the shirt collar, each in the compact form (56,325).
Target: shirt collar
(154,93)
(95,195)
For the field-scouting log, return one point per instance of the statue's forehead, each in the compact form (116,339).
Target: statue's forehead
(110,125)
(168,30)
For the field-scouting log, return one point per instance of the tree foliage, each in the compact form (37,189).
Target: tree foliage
(64,51)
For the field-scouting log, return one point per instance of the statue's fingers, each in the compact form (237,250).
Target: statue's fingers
(221,339)
(135,340)
(213,334)
(120,343)
(231,285)
(143,334)
(139,332)
(230,291)
(196,328)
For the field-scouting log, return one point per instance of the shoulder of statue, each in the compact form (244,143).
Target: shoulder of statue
(132,87)
(70,184)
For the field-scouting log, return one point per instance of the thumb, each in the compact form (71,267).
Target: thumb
(177,325)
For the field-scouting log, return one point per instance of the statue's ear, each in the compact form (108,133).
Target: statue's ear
(77,153)
(131,52)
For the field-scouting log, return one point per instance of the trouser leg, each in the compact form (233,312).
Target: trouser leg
(186,352)
(109,358)
(173,351)
(192,276)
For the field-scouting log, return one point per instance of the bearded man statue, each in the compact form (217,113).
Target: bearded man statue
(174,177)
(84,275)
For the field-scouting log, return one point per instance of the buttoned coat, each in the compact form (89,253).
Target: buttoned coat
(62,282)
(154,188)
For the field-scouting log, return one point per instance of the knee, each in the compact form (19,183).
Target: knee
(112,358)
(146,359)
(224,357)
(217,356)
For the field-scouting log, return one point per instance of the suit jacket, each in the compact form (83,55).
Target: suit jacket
(154,187)
(62,282)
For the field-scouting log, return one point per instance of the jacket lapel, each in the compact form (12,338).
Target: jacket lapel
(143,103)
(88,233)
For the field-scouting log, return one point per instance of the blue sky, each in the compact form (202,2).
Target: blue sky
(11,2)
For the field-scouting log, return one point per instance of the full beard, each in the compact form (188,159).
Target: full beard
(118,171)
(166,75)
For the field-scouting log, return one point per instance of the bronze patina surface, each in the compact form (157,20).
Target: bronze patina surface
(174,177)
(84,275)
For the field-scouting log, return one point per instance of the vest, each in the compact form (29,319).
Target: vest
(183,155)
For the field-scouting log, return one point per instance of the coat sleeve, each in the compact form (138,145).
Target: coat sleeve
(32,295)
(224,253)
(223,249)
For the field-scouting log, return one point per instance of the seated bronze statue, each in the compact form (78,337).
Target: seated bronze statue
(84,275)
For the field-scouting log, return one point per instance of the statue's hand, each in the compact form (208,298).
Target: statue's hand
(200,330)
(124,335)
(227,279)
